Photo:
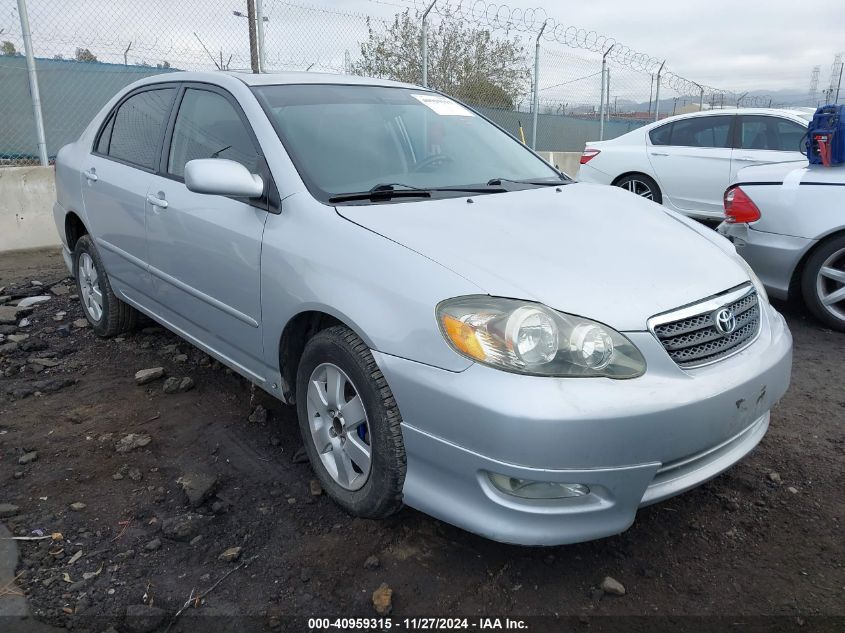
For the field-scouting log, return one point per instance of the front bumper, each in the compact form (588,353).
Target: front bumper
(772,256)
(632,442)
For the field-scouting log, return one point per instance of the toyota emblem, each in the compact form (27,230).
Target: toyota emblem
(725,321)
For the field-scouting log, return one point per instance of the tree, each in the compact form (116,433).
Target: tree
(164,64)
(85,55)
(463,61)
(7,49)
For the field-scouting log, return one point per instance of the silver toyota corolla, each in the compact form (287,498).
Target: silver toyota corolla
(461,327)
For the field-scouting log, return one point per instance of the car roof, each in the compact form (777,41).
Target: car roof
(272,79)
(729,111)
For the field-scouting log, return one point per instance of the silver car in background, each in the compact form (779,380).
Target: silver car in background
(788,222)
(461,327)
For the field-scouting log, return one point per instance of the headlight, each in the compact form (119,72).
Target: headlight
(758,285)
(529,338)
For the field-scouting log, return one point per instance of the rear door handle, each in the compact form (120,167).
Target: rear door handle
(659,154)
(746,159)
(156,201)
(91,175)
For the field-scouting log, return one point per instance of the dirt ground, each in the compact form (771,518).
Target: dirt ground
(764,539)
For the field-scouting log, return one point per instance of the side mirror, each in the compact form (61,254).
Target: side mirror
(222,177)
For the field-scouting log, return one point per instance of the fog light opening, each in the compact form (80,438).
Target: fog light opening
(530,489)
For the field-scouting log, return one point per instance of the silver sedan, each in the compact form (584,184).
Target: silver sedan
(461,327)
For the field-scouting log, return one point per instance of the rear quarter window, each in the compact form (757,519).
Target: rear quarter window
(137,126)
(660,135)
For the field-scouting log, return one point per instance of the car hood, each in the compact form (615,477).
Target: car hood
(590,250)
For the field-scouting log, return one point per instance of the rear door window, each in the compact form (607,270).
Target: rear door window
(706,131)
(137,127)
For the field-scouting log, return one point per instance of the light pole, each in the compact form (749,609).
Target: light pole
(33,84)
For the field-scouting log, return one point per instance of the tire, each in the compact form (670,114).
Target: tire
(641,185)
(373,493)
(817,285)
(110,316)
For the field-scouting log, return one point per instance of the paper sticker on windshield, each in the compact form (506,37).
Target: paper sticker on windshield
(442,105)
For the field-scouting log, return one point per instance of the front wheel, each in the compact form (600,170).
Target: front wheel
(641,185)
(350,424)
(823,283)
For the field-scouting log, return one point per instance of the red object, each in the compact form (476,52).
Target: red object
(588,155)
(739,208)
(823,143)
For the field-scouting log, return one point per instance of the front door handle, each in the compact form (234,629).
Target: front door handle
(91,175)
(156,201)
(659,154)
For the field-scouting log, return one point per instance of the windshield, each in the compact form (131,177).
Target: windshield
(346,139)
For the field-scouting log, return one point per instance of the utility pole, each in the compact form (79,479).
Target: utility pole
(253,37)
(650,93)
(425,44)
(536,85)
(604,88)
(33,84)
(657,95)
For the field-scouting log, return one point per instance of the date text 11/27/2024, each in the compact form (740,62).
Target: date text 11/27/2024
(416,624)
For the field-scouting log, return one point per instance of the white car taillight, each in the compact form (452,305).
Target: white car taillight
(588,155)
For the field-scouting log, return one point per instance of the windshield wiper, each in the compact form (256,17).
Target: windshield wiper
(530,181)
(384,191)
(389,191)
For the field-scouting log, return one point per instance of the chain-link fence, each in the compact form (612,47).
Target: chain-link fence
(485,55)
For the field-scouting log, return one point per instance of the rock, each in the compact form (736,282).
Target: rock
(315,487)
(27,302)
(383,599)
(180,358)
(8,348)
(198,486)
(132,441)
(144,376)
(612,587)
(28,458)
(153,545)
(793,490)
(258,415)
(81,323)
(230,555)
(372,562)
(181,528)
(300,456)
(774,477)
(8,510)
(135,474)
(44,362)
(60,316)
(8,314)
(60,290)
(18,338)
(141,618)
(178,385)
(196,540)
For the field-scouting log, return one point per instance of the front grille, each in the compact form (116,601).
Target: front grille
(695,340)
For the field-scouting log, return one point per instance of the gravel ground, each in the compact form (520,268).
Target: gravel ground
(151,492)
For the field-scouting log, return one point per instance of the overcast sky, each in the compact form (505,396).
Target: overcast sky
(737,45)
(753,45)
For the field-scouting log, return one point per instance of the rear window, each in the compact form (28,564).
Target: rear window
(137,126)
(660,135)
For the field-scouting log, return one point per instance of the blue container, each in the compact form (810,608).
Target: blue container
(827,127)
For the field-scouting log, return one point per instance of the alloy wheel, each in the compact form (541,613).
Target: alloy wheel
(830,284)
(639,187)
(89,285)
(339,426)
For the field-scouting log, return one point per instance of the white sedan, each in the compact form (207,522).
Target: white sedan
(686,162)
